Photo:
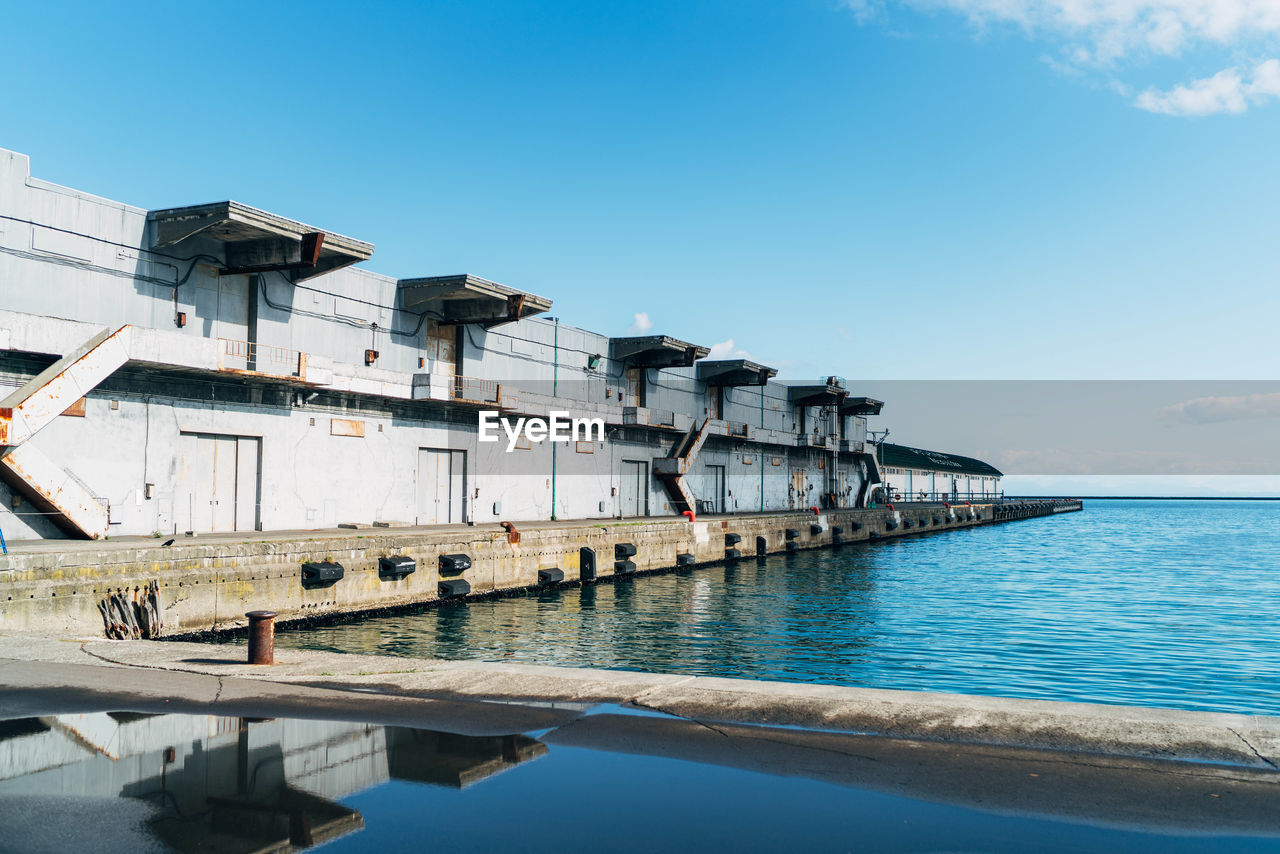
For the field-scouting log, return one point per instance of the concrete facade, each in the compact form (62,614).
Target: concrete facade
(255,388)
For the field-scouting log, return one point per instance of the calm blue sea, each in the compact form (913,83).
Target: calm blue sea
(1158,603)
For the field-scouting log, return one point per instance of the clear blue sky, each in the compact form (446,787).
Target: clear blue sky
(954,188)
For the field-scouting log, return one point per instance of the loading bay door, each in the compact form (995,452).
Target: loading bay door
(441,486)
(634,492)
(218,482)
(716,481)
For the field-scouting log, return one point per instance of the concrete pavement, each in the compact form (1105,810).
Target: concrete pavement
(1249,741)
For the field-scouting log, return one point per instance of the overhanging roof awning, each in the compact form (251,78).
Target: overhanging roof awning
(823,393)
(469,299)
(861,406)
(733,372)
(257,241)
(655,351)
(918,458)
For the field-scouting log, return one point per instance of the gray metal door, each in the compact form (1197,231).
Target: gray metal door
(218,482)
(716,480)
(195,481)
(634,491)
(457,486)
(223,504)
(247,483)
(441,486)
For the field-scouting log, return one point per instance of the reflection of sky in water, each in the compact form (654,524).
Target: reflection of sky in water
(1152,603)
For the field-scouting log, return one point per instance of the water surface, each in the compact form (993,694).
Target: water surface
(1156,603)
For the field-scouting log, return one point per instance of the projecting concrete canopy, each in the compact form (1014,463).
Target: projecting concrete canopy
(822,393)
(256,241)
(733,372)
(469,299)
(655,351)
(861,406)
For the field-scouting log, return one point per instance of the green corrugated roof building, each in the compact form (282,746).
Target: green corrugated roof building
(900,456)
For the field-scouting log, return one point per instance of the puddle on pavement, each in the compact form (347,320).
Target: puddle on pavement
(176,782)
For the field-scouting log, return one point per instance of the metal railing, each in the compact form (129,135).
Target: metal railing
(254,358)
(476,390)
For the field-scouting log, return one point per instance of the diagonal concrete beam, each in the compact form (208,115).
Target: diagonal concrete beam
(31,473)
(52,489)
(48,394)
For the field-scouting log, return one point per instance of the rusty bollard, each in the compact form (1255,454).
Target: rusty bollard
(262,637)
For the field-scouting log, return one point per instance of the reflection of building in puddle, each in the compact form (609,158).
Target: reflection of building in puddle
(445,759)
(223,784)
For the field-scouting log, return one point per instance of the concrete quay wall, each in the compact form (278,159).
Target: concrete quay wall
(207,585)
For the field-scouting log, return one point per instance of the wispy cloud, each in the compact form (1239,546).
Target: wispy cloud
(864,10)
(1109,37)
(1228,91)
(1209,410)
(1107,30)
(641,324)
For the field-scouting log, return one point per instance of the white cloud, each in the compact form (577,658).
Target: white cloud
(1104,36)
(1106,30)
(1208,410)
(1266,80)
(641,324)
(1221,93)
(1225,92)
(726,350)
(864,10)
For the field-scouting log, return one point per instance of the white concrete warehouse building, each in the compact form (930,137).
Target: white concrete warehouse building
(220,368)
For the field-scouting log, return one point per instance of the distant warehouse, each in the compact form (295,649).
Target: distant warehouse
(914,474)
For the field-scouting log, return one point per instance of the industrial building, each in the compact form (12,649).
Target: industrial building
(914,474)
(215,367)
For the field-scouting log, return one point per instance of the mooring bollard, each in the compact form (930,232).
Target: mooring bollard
(262,637)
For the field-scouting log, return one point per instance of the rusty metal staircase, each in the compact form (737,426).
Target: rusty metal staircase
(48,486)
(671,469)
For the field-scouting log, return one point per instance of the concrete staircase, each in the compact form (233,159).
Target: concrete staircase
(671,469)
(48,486)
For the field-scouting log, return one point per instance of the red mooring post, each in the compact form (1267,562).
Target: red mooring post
(262,637)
